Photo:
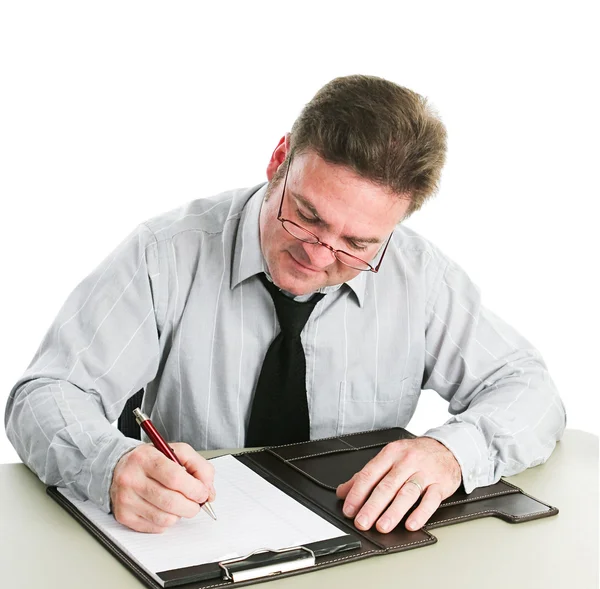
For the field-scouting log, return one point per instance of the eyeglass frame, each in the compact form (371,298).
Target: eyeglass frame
(318,241)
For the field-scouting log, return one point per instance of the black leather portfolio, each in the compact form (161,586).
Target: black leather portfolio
(309,472)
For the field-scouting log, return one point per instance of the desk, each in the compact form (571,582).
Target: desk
(42,547)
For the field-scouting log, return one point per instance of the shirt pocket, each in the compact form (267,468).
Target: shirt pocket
(362,408)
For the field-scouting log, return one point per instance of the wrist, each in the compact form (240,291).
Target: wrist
(447,456)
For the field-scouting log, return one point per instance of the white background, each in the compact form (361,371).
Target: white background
(113,112)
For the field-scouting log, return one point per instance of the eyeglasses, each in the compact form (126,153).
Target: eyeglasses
(307,236)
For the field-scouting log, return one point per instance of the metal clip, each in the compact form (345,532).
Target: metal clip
(265,570)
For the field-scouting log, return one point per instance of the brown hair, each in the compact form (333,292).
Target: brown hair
(385,133)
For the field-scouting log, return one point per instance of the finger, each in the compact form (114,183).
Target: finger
(197,466)
(383,494)
(343,489)
(144,517)
(168,500)
(365,481)
(173,476)
(139,524)
(429,504)
(406,497)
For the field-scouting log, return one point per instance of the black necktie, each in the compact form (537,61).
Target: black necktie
(280,410)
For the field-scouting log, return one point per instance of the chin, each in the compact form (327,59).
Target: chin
(297,285)
(299,290)
(294,286)
(289,277)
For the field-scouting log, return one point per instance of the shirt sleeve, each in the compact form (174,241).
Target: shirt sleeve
(101,349)
(506,412)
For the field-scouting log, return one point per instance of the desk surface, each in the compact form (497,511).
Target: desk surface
(41,546)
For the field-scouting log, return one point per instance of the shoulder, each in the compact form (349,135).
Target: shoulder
(204,215)
(416,249)
(424,263)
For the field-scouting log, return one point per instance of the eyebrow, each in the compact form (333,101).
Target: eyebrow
(302,200)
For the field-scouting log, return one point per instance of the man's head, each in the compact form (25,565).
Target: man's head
(365,154)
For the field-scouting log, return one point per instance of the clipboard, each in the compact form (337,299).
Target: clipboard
(309,472)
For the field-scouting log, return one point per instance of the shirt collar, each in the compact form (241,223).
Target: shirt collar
(248,259)
(359,286)
(247,255)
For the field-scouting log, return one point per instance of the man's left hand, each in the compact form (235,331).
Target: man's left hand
(382,492)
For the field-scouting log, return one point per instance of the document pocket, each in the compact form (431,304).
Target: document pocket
(311,472)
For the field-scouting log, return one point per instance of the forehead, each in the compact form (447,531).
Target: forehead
(339,195)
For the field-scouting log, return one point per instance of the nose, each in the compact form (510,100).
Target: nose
(319,255)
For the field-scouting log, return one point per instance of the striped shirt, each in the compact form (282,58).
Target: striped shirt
(178,308)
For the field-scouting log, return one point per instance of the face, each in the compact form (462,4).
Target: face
(343,210)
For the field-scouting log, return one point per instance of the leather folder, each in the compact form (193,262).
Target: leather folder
(310,472)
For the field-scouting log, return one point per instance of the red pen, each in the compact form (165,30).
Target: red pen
(159,443)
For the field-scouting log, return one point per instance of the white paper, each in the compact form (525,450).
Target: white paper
(252,514)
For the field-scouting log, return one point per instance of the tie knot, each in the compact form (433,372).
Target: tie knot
(292,315)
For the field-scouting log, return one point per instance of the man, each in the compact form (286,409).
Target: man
(200,307)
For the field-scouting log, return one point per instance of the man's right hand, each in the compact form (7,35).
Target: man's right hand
(149,492)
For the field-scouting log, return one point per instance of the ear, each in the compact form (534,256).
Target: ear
(278,156)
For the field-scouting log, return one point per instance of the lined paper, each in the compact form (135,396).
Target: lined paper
(252,514)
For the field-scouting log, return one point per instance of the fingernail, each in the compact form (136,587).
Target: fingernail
(349,510)
(361,520)
(412,525)
(385,524)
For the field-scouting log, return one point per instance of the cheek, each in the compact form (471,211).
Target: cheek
(278,241)
(342,273)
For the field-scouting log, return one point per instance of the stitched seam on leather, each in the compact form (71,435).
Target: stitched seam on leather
(344,442)
(530,515)
(479,513)
(527,495)
(471,500)
(412,437)
(511,485)
(230,583)
(381,429)
(302,471)
(384,550)
(333,451)
(329,562)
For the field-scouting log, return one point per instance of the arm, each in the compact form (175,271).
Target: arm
(507,415)
(102,347)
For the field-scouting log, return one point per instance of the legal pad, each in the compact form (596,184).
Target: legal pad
(307,474)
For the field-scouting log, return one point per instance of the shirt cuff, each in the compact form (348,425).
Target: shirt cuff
(103,466)
(470,449)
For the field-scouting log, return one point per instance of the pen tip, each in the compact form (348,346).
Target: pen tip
(207,507)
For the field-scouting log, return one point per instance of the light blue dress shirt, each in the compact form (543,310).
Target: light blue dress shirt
(178,308)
